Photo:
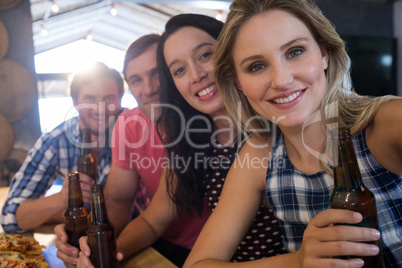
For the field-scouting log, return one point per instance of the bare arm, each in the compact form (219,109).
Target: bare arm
(226,226)
(34,212)
(384,136)
(144,230)
(120,191)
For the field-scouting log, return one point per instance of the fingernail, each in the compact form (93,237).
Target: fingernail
(374,249)
(357,216)
(376,234)
(359,262)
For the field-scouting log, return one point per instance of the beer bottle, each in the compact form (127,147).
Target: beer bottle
(86,162)
(350,192)
(101,235)
(76,217)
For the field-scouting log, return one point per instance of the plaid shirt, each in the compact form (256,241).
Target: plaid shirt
(296,197)
(54,154)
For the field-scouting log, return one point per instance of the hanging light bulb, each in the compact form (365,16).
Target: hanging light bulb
(90,37)
(219,16)
(43,31)
(113,11)
(55,7)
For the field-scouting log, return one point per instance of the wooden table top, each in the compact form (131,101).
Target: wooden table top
(146,258)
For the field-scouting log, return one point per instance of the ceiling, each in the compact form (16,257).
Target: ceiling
(77,19)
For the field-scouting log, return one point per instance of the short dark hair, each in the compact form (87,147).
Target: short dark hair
(138,47)
(98,70)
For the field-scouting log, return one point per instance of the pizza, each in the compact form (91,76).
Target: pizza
(17,251)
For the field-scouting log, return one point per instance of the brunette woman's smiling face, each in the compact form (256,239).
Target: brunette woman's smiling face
(280,67)
(188,53)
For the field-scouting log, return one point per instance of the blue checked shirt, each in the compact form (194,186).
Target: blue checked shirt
(53,155)
(296,197)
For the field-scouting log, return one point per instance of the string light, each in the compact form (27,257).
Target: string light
(113,11)
(90,37)
(219,16)
(43,31)
(55,7)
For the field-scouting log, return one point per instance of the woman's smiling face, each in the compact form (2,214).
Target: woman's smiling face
(280,67)
(188,54)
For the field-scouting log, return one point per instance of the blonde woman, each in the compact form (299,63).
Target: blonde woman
(289,67)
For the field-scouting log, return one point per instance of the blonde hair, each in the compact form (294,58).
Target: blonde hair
(353,110)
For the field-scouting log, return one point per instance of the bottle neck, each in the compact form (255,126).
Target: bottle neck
(74,193)
(85,142)
(98,207)
(347,172)
(85,151)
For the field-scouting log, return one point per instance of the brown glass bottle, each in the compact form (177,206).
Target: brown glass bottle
(101,235)
(350,192)
(76,217)
(86,162)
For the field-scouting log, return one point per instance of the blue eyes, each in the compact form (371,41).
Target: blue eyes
(295,52)
(205,55)
(255,67)
(260,65)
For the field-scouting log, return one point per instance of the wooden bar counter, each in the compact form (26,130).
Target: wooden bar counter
(147,258)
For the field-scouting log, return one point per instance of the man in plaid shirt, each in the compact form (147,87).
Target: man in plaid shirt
(96,95)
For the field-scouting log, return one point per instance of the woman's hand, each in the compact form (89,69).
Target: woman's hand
(322,240)
(66,252)
(83,260)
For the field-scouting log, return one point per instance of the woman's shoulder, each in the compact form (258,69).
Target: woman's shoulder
(388,116)
(256,145)
(253,159)
(383,135)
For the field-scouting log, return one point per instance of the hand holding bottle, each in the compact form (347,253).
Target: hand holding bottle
(66,252)
(101,234)
(322,239)
(76,215)
(351,193)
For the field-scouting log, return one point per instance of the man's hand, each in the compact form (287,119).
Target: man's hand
(86,182)
(66,252)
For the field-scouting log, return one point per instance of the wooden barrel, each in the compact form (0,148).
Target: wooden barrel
(7,138)
(11,165)
(7,4)
(3,40)
(17,90)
